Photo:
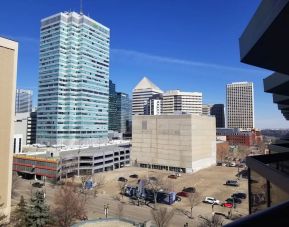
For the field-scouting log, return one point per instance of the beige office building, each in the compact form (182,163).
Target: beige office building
(8,71)
(176,101)
(184,142)
(143,91)
(240,105)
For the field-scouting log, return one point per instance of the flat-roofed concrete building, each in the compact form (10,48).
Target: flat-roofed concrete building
(206,109)
(240,105)
(176,101)
(183,143)
(8,72)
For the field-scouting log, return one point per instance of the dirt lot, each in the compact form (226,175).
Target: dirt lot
(208,182)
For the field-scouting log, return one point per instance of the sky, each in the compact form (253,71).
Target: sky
(178,44)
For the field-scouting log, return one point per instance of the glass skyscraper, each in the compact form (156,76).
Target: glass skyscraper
(23,102)
(119,110)
(123,112)
(73,80)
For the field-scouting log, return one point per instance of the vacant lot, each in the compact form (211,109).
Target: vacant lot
(208,182)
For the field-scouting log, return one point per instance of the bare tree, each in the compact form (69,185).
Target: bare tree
(194,199)
(99,182)
(155,184)
(121,186)
(84,179)
(69,206)
(162,216)
(215,221)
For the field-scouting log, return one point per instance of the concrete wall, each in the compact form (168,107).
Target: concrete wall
(8,68)
(185,141)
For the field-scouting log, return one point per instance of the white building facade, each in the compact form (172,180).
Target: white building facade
(176,101)
(240,105)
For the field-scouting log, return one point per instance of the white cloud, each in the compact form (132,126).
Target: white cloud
(161,59)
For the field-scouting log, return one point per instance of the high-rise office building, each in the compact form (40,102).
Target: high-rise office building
(23,101)
(176,101)
(123,112)
(119,110)
(206,109)
(240,105)
(73,80)
(218,111)
(154,105)
(144,90)
(112,119)
(8,72)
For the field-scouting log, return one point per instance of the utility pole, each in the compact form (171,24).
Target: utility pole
(106,207)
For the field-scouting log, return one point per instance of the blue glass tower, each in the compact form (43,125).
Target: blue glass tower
(73,80)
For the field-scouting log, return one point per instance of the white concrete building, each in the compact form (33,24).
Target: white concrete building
(175,101)
(25,124)
(240,105)
(154,105)
(17,143)
(184,142)
(144,90)
(206,109)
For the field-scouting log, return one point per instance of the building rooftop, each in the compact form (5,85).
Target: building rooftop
(145,83)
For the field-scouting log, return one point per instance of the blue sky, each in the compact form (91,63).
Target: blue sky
(179,44)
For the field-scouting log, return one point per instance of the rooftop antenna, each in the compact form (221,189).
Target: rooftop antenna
(81,9)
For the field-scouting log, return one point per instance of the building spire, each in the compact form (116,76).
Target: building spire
(81,7)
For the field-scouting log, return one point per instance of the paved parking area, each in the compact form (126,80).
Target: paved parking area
(208,182)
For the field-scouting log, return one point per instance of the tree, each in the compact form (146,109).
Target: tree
(38,212)
(121,185)
(99,181)
(155,184)
(215,221)
(194,199)
(2,216)
(162,216)
(69,206)
(19,215)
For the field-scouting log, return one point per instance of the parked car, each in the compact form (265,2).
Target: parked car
(37,184)
(133,176)
(153,179)
(178,174)
(234,200)
(183,194)
(172,176)
(228,205)
(239,195)
(122,179)
(211,200)
(232,183)
(189,190)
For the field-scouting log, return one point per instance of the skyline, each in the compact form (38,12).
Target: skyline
(204,48)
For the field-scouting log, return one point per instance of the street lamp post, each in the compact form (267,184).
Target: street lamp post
(106,207)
